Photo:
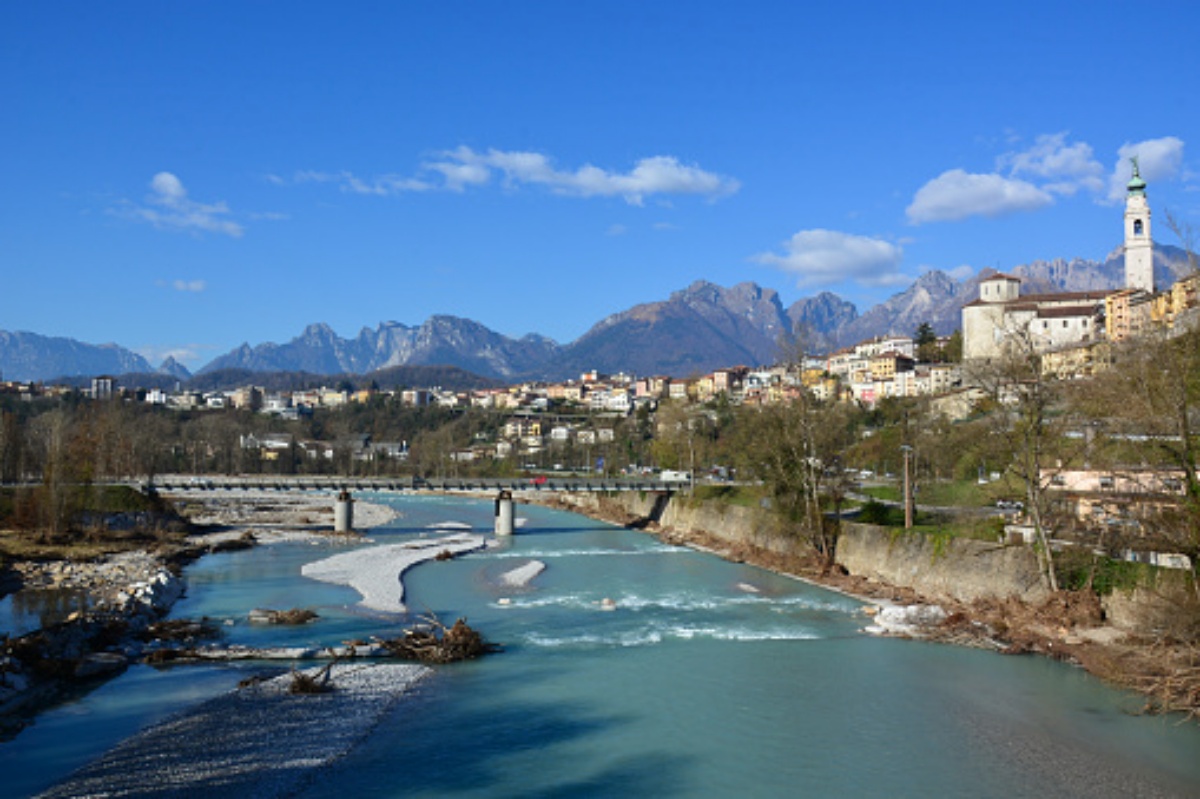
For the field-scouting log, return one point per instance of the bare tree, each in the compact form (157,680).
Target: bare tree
(1029,421)
(50,434)
(1152,395)
(795,448)
(11,447)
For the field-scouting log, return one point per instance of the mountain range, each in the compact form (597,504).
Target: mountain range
(696,329)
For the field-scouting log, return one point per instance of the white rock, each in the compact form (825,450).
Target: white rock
(911,620)
(523,575)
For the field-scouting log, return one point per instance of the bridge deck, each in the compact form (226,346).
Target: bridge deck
(396,484)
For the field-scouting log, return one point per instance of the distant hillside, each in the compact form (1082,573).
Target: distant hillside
(695,330)
(450,378)
(1080,274)
(441,340)
(819,320)
(29,356)
(935,298)
(938,298)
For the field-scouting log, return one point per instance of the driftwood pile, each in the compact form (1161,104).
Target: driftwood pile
(294,616)
(430,642)
(187,631)
(434,642)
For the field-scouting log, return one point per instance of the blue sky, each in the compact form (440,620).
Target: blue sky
(181,177)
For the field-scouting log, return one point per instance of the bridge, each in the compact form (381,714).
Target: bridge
(332,483)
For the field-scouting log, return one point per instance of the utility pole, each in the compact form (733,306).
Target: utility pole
(908,506)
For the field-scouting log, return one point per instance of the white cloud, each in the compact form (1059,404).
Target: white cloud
(823,257)
(961,272)
(656,175)
(616,230)
(190,286)
(169,207)
(458,176)
(1029,179)
(1068,167)
(463,168)
(349,182)
(1158,159)
(956,194)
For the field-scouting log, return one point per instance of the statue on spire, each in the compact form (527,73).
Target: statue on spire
(1136,185)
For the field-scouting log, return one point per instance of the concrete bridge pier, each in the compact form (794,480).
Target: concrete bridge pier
(343,513)
(504,513)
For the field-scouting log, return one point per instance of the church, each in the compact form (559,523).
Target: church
(1066,320)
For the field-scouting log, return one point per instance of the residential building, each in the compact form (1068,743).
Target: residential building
(886,365)
(104,387)
(247,398)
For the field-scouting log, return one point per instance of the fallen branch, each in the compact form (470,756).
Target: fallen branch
(312,683)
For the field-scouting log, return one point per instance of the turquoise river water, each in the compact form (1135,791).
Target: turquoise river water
(709,679)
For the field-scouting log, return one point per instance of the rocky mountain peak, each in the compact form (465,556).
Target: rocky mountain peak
(174,368)
(318,331)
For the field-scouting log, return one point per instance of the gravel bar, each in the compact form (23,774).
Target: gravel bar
(259,741)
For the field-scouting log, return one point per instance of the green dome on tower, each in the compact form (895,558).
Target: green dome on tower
(1136,185)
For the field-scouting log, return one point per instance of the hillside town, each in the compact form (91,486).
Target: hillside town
(1072,333)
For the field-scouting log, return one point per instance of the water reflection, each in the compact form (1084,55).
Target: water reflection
(33,608)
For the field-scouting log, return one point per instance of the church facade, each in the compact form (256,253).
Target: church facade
(1002,316)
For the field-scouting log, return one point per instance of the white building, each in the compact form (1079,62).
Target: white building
(1139,248)
(1056,321)
(1002,315)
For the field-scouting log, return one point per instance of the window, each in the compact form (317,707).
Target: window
(1137,227)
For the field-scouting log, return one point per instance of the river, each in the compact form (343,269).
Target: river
(707,679)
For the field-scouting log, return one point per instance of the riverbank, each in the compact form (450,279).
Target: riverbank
(1068,626)
(586,701)
(251,511)
(95,617)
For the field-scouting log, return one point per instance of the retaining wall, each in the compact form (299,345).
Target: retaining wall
(936,566)
(940,566)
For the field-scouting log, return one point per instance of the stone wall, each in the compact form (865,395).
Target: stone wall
(945,567)
(731,524)
(939,567)
(1156,607)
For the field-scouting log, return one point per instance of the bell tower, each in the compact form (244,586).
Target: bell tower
(1139,249)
